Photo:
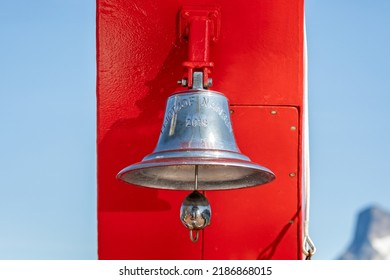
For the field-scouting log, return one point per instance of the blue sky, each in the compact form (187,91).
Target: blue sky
(349,91)
(47,123)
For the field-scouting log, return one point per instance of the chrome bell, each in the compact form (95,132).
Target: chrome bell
(196,131)
(196,151)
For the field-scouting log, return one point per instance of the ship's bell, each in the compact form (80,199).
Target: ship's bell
(196,134)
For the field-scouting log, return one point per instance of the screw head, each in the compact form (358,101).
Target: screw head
(182,82)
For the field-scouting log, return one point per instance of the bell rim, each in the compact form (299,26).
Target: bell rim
(260,172)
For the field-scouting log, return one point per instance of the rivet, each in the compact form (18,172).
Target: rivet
(293,127)
(292,174)
(274,112)
(231,111)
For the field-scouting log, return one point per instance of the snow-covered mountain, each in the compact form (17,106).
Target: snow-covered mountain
(372,236)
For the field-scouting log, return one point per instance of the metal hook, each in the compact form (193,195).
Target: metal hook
(308,243)
(308,257)
(192,236)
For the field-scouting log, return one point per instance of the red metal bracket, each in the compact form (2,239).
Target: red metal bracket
(199,26)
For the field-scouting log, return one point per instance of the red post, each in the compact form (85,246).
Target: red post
(199,27)
(259,68)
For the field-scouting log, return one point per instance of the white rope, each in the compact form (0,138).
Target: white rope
(309,248)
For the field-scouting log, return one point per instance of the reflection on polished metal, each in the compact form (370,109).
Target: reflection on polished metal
(195,213)
(196,130)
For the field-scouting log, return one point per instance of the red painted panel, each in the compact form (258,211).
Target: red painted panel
(258,61)
(260,222)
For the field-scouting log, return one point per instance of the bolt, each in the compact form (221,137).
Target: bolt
(292,174)
(182,82)
(293,127)
(209,82)
(274,112)
(231,111)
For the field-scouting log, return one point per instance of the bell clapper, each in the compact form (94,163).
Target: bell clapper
(195,211)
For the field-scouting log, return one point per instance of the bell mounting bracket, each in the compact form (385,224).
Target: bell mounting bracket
(199,26)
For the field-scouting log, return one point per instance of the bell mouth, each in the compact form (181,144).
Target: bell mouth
(213,174)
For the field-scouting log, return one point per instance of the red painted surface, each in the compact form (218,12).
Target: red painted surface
(260,222)
(259,66)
